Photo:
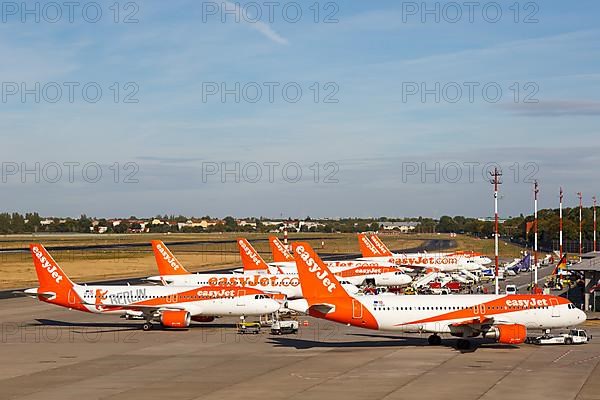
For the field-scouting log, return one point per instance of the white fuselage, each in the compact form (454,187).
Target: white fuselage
(286,284)
(356,272)
(440,263)
(198,301)
(437,314)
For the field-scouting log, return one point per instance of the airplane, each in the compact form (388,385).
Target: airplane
(374,249)
(169,306)
(504,318)
(358,273)
(471,255)
(172,272)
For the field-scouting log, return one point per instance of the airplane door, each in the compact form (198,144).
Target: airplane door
(239,298)
(357,309)
(555,308)
(72,297)
(172,298)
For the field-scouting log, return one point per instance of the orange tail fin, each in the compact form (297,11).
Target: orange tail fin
(316,280)
(251,260)
(166,261)
(381,247)
(51,277)
(325,296)
(367,249)
(280,253)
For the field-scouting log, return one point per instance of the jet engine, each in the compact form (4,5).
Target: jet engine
(507,334)
(175,319)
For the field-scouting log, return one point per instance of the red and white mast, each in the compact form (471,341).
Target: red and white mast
(536,190)
(595,226)
(580,223)
(496,175)
(560,240)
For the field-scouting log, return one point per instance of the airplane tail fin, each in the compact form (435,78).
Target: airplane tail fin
(280,253)
(50,276)
(324,294)
(367,249)
(251,260)
(381,247)
(55,285)
(316,280)
(166,261)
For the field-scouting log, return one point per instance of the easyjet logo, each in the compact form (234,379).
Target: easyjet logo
(253,281)
(427,260)
(533,302)
(52,269)
(253,256)
(365,271)
(315,269)
(214,294)
(342,264)
(279,246)
(378,244)
(169,259)
(369,245)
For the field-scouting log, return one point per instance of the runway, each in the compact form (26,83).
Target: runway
(53,353)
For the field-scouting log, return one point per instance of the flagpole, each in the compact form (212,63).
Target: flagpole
(536,190)
(580,224)
(595,227)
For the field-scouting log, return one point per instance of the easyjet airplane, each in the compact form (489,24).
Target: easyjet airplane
(372,248)
(171,306)
(470,255)
(173,273)
(504,318)
(356,272)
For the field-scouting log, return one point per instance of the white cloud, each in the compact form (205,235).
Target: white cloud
(259,26)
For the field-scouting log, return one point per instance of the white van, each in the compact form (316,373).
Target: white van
(511,289)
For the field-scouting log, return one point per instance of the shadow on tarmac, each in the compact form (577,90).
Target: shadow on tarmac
(389,342)
(122,326)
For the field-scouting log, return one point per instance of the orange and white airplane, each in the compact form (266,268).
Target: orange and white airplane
(255,273)
(356,272)
(372,248)
(170,306)
(504,318)
(172,272)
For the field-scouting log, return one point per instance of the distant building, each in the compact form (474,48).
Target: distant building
(246,223)
(403,227)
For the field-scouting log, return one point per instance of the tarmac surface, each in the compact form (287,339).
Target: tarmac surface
(48,352)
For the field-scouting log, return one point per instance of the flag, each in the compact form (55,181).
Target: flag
(562,264)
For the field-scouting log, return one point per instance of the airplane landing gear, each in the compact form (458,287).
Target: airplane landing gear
(147,326)
(463,344)
(434,340)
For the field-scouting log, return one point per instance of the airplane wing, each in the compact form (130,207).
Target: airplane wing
(146,309)
(322,308)
(34,293)
(475,322)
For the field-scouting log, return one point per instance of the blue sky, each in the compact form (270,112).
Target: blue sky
(372,138)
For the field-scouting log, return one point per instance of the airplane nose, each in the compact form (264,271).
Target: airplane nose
(581,317)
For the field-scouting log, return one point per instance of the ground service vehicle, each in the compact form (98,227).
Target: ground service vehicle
(575,336)
(284,327)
